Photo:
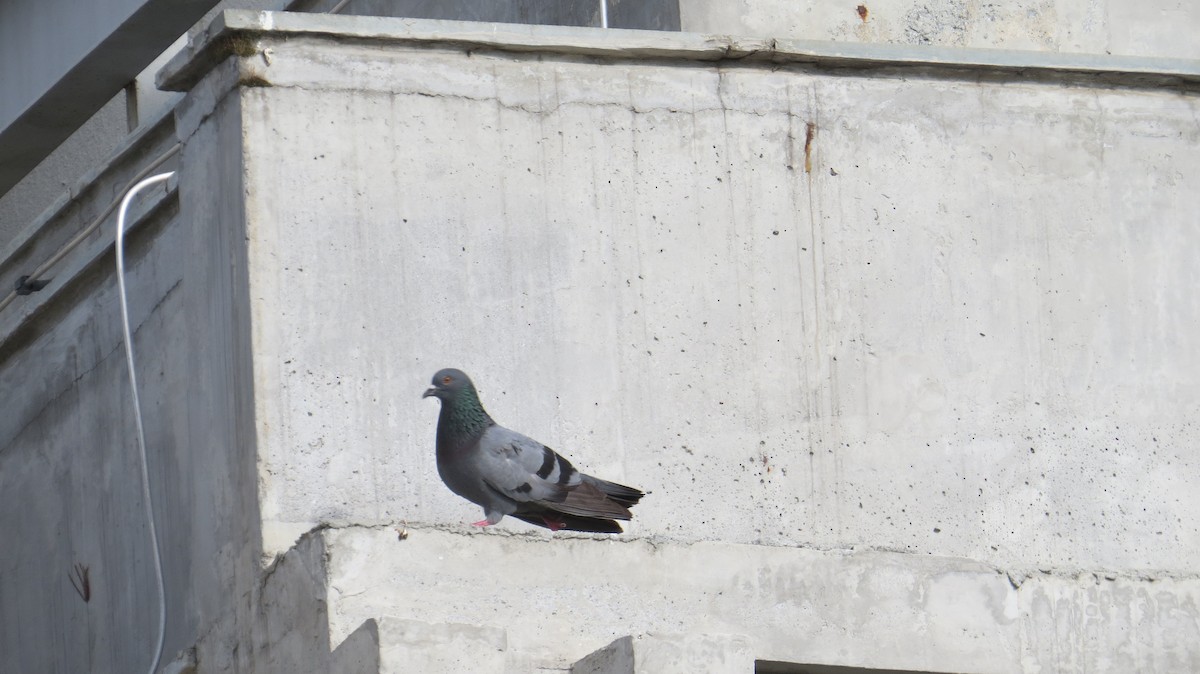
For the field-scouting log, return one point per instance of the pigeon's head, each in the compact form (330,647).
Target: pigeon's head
(448,383)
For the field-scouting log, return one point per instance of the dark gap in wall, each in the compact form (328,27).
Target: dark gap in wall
(639,14)
(775,667)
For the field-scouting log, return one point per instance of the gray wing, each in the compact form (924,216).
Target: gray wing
(526,471)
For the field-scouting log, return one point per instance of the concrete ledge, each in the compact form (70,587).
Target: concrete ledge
(236,32)
(917,612)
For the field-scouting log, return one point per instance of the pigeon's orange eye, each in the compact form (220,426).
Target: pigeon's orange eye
(447,380)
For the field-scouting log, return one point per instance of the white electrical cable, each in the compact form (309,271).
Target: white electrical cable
(137,409)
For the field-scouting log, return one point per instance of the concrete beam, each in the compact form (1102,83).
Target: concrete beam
(60,61)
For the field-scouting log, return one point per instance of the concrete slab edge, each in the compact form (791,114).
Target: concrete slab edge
(1016,575)
(235,32)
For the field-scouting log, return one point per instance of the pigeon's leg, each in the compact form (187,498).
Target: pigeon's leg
(493,517)
(553,524)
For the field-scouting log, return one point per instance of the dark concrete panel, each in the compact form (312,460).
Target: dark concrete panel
(643,14)
(63,62)
(549,12)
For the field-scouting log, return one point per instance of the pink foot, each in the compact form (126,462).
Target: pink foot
(481,523)
(553,524)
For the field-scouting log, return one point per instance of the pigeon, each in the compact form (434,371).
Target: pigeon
(510,474)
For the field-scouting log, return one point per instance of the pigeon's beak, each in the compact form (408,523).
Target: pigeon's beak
(429,392)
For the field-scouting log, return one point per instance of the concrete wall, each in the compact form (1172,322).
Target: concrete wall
(899,356)
(69,478)
(901,352)
(1135,28)
(923,328)
(1130,27)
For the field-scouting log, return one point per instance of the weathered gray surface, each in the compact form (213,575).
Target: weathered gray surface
(560,599)
(945,324)
(69,481)
(940,324)
(904,361)
(1131,27)
(994,65)
(68,476)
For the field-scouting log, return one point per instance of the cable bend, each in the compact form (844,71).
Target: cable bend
(137,410)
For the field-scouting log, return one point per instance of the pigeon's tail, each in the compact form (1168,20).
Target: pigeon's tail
(555,521)
(626,496)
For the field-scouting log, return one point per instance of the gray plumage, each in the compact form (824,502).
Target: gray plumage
(510,474)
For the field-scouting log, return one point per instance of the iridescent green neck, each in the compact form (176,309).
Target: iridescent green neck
(462,418)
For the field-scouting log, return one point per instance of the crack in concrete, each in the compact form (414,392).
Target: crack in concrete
(524,107)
